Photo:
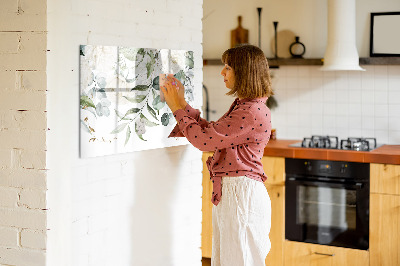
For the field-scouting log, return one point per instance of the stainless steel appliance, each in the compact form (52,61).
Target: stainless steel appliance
(327,202)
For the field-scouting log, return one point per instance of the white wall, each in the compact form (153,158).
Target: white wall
(141,208)
(311,102)
(23,133)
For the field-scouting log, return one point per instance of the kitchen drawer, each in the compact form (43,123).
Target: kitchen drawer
(305,254)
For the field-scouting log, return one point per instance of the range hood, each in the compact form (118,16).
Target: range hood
(341,51)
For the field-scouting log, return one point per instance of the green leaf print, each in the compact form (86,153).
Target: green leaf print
(86,102)
(156,83)
(137,99)
(152,112)
(140,88)
(128,135)
(157,103)
(119,128)
(147,122)
(165,119)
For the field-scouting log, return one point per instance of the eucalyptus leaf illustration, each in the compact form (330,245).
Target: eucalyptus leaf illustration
(86,102)
(140,88)
(128,135)
(119,128)
(165,119)
(101,94)
(157,103)
(146,121)
(121,116)
(156,83)
(136,99)
(189,62)
(152,112)
(151,64)
(132,111)
(101,81)
(180,76)
(102,107)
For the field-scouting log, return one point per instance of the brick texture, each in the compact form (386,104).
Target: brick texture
(23,126)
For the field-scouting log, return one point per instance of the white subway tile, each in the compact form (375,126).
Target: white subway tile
(355,122)
(394,137)
(394,110)
(382,123)
(382,136)
(367,96)
(380,84)
(382,110)
(394,97)
(367,110)
(368,122)
(355,96)
(380,71)
(394,123)
(381,97)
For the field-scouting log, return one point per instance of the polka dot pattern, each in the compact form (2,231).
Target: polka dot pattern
(238,139)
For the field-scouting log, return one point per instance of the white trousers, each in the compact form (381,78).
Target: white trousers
(241,223)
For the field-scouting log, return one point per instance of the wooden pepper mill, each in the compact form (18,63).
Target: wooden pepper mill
(239,35)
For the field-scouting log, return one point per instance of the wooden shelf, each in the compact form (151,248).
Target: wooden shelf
(274,63)
(380,61)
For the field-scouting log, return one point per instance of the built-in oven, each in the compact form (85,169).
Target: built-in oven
(327,202)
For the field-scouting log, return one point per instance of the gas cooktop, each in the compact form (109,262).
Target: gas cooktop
(332,142)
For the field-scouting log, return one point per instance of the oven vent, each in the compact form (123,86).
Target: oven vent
(341,51)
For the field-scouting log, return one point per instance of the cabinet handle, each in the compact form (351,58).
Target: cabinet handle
(324,254)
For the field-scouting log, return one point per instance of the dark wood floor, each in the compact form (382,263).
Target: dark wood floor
(206,261)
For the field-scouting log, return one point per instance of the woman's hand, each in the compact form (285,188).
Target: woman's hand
(174,93)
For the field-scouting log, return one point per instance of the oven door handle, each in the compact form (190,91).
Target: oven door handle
(357,185)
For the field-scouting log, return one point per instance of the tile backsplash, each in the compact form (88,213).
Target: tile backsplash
(339,103)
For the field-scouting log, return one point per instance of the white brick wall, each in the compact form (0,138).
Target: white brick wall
(22,132)
(141,208)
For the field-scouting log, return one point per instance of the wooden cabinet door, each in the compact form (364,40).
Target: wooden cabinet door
(277,233)
(274,168)
(385,178)
(384,236)
(206,226)
(304,254)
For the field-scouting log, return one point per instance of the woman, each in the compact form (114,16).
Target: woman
(242,208)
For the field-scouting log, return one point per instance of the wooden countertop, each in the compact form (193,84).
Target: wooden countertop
(389,154)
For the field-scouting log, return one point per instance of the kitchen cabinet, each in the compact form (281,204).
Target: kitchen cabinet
(385,214)
(385,178)
(305,254)
(206,225)
(274,168)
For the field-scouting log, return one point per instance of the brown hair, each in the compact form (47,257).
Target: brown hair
(250,66)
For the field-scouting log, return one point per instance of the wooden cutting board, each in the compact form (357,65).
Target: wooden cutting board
(239,35)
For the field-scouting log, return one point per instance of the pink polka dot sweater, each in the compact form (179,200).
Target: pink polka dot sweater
(238,139)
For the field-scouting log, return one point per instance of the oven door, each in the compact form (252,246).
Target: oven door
(327,213)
